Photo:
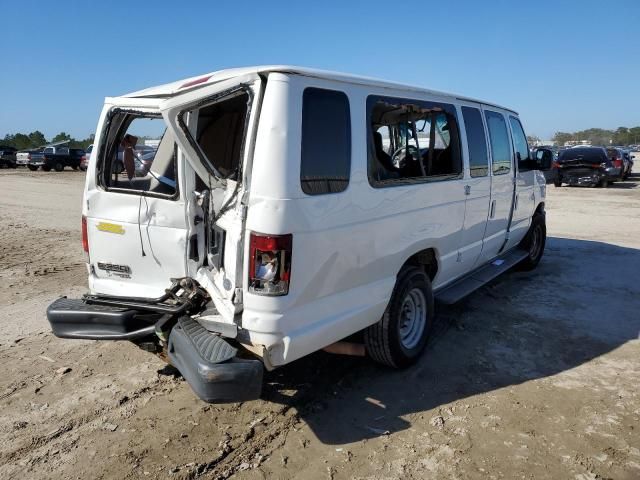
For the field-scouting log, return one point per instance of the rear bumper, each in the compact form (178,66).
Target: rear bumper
(582,178)
(206,361)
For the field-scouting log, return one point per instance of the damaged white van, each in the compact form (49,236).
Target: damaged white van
(275,211)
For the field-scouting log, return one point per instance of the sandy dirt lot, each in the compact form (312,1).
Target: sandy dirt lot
(535,376)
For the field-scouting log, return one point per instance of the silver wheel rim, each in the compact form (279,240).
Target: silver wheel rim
(536,242)
(413,318)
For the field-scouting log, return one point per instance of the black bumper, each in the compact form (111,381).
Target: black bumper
(206,361)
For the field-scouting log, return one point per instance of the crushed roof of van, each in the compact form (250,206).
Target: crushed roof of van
(198,81)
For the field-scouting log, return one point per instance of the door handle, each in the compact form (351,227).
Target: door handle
(467,189)
(492,210)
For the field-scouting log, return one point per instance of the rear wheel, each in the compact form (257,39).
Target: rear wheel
(74,167)
(399,337)
(58,167)
(534,242)
(604,183)
(557,183)
(33,168)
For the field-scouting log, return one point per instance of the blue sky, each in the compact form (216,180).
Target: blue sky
(563,65)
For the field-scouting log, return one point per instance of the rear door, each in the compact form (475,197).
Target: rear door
(136,226)
(214,126)
(502,184)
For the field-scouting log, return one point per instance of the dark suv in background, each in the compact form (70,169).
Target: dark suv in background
(590,166)
(7,156)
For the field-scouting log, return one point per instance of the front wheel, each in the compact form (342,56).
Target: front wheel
(58,167)
(399,337)
(534,242)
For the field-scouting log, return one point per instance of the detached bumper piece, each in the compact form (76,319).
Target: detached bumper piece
(73,318)
(210,366)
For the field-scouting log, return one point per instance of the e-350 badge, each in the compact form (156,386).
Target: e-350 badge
(123,271)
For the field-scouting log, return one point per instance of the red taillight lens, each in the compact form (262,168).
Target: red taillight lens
(85,236)
(617,163)
(270,264)
(555,165)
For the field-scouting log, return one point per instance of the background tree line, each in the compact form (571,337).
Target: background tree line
(599,136)
(26,141)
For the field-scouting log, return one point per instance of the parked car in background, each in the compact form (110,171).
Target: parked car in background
(57,158)
(619,160)
(23,157)
(84,162)
(7,156)
(590,166)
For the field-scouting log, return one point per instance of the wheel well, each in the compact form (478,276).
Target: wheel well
(425,259)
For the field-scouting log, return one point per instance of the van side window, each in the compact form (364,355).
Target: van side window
(525,162)
(326,142)
(411,140)
(499,139)
(139,155)
(477,142)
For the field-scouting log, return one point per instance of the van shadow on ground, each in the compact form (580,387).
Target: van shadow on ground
(521,327)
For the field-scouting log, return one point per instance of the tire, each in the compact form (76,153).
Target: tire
(46,168)
(557,183)
(399,337)
(58,167)
(33,168)
(534,242)
(74,167)
(604,183)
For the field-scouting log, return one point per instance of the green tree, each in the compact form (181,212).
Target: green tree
(61,137)
(560,138)
(37,139)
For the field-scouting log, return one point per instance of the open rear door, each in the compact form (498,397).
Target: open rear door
(214,126)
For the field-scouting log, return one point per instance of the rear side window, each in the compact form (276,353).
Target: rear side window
(411,141)
(477,141)
(326,142)
(499,138)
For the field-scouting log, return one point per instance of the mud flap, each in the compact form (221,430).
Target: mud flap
(210,366)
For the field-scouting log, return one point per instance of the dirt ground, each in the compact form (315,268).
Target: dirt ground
(535,376)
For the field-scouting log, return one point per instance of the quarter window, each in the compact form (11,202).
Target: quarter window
(325,163)
(477,142)
(499,138)
(411,140)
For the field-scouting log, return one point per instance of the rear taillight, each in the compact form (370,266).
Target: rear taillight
(269,264)
(29,156)
(617,163)
(85,236)
(555,164)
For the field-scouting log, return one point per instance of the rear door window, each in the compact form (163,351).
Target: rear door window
(499,139)
(325,163)
(140,155)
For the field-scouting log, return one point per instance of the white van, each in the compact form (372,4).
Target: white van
(286,209)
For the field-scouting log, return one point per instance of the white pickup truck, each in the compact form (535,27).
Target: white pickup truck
(286,209)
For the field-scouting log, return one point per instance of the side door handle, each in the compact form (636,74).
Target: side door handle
(467,189)
(492,210)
